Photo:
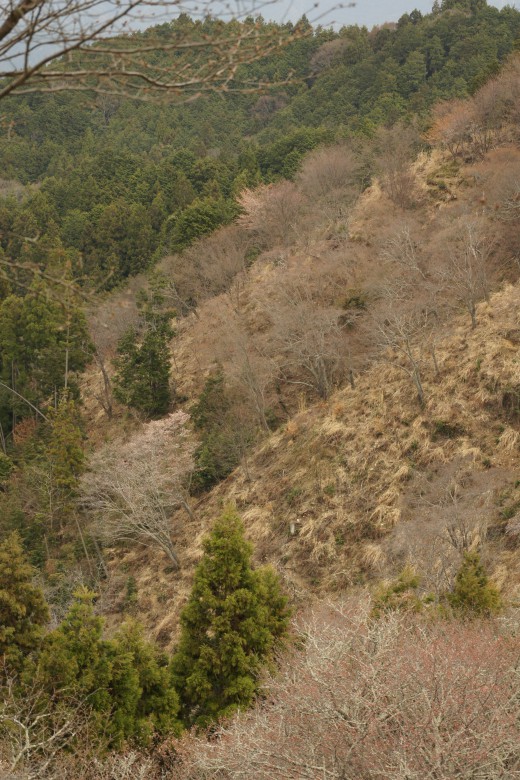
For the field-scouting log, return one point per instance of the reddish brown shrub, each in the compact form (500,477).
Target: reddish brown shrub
(386,699)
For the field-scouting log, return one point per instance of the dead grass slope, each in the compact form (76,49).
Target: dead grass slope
(354,487)
(350,489)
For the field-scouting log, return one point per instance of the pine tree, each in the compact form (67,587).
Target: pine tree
(23,609)
(473,594)
(230,626)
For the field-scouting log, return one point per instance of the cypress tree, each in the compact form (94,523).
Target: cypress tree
(23,609)
(230,626)
(473,594)
(155,710)
(143,362)
(123,682)
(66,454)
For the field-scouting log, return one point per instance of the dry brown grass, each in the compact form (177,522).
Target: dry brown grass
(367,479)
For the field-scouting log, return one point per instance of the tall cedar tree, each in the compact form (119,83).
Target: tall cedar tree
(230,626)
(123,682)
(23,610)
(143,362)
(65,452)
(215,457)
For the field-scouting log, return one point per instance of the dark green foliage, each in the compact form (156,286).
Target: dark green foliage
(42,344)
(223,434)
(6,468)
(143,362)
(230,626)
(200,218)
(23,610)
(124,682)
(473,595)
(157,706)
(119,179)
(399,595)
(65,451)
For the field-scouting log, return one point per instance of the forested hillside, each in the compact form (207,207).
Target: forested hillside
(259,412)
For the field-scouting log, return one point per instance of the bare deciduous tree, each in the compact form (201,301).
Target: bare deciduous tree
(404,251)
(466,276)
(134,487)
(251,369)
(313,346)
(399,329)
(34,732)
(96,46)
(392,699)
(397,147)
(330,172)
(272,213)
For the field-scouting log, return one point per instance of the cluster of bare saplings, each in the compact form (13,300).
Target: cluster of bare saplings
(387,699)
(395,698)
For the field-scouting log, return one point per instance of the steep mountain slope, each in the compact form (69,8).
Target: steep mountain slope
(352,487)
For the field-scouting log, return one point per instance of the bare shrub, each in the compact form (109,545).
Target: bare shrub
(466,276)
(272,213)
(330,173)
(396,148)
(132,488)
(391,699)
(34,732)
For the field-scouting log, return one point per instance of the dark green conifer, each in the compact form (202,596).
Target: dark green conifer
(143,361)
(23,609)
(230,626)
(123,683)
(473,594)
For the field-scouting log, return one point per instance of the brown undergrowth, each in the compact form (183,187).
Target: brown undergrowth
(353,486)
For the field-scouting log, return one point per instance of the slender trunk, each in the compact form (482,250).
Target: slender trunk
(418,385)
(66,382)
(170,552)
(22,398)
(101,562)
(187,509)
(473,314)
(434,358)
(107,387)
(87,556)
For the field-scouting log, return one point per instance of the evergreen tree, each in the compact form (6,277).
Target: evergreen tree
(156,708)
(473,594)
(23,610)
(65,452)
(230,625)
(41,344)
(123,682)
(215,457)
(143,362)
